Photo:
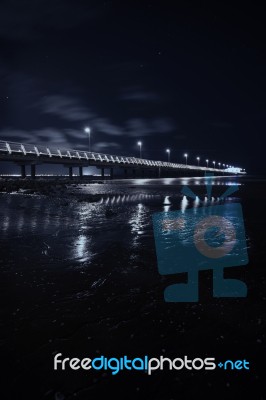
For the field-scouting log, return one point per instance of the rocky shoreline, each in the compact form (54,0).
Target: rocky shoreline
(49,187)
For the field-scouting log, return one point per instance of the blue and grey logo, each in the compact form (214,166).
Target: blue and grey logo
(202,238)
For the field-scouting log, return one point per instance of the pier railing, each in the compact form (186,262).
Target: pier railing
(14,149)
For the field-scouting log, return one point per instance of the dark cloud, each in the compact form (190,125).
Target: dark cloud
(71,109)
(133,127)
(64,107)
(139,127)
(138,94)
(106,146)
(101,130)
(48,135)
(104,125)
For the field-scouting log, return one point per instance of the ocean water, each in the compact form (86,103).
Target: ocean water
(81,278)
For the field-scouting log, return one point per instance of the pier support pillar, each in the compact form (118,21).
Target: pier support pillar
(33,171)
(23,171)
(102,172)
(125,172)
(159,172)
(134,173)
(111,173)
(70,169)
(81,172)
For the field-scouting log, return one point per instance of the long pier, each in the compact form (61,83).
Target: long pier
(24,154)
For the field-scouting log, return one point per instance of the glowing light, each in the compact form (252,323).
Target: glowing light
(139,144)
(88,131)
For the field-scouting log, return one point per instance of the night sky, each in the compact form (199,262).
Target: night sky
(190,77)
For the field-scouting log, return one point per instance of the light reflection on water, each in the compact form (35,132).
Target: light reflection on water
(196,204)
(5,225)
(127,198)
(201,180)
(184,204)
(69,230)
(137,223)
(82,251)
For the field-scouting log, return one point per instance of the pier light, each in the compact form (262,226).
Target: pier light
(140,145)
(168,151)
(88,131)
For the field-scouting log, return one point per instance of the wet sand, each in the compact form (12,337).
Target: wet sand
(79,276)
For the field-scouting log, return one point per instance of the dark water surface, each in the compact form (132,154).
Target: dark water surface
(81,279)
